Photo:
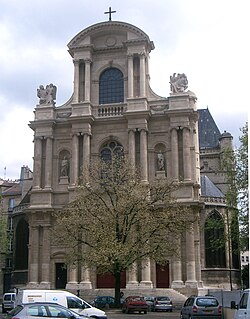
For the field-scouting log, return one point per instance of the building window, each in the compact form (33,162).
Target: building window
(247,259)
(243,259)
(214,241)
(111,86)
(11,203)
(111,149)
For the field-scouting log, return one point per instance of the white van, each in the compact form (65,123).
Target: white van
(8,301)
(243,308)
(60,297)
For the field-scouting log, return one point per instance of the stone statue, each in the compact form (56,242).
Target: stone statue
(178,83)
(160,161)
(64,167)
(47,95)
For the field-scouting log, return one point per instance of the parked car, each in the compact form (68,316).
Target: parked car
(243,308)
(39,310)
(133,304)
(150,302)
(207,307)
(104,302)
(162,303)
(8,301)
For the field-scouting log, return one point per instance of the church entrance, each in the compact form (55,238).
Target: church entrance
(108,280)
(162,276)
(61,275)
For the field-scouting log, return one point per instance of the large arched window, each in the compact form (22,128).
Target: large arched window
(111,86)
(215,241)
(111,149)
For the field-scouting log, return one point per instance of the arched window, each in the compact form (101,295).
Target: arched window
(215,241)
(111,149)
(111,86)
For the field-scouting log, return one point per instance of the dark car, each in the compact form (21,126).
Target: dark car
(206,307)
(162,303)
(133,304)
(39,310)
(104,302)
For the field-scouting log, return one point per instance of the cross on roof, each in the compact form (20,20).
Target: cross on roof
(109,12)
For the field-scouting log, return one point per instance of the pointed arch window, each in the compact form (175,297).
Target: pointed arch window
(215,241)
(111,149)
(111,86)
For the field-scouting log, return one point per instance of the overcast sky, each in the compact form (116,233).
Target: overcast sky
(205,39)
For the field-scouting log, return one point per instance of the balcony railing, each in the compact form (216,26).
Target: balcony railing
(111,110)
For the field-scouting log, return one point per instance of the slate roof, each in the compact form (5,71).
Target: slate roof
(208,189)
(13,191)
(209,133)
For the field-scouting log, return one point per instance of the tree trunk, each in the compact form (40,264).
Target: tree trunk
(117,289)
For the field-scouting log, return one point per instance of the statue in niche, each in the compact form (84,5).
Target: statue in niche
(64,171)
(47,95)
(178,83)
(160,161)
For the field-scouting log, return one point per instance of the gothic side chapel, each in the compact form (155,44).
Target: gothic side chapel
(113,106)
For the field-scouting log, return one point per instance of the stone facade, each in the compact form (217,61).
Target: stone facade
(147,126)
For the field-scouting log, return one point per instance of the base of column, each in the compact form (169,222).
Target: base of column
(73,285)
(177,284)
(85,285)
(146,284)
(132,285)
(191,284)
(45,285)
(32,285)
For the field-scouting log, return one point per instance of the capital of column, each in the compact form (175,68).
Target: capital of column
(76,61)
(88,61)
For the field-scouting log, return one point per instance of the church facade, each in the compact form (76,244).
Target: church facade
(113,106)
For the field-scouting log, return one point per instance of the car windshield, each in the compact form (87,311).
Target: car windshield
(208,302)
(136,299)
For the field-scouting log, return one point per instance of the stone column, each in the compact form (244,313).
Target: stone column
(130,76)
(37,163)
(86,153)
(76,81)
(85,279)
(34,256)
(72,282)
(131,147)
(143,155)
(87,79)
(142,75)
(190,259)
(48,162)
(75,159)
(174,154)
(177,268)
(132,277)
(46,258)
(186,154)
(146,274)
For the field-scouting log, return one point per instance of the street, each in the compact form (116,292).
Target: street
(150,315)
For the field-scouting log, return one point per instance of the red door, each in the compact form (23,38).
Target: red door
(107,280)
(162,276)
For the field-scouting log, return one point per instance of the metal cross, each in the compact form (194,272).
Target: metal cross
(109,12)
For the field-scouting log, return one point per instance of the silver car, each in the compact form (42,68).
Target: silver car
(39,310)
(162,303)
(206,307)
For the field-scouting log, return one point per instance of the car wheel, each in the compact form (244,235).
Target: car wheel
(145,312)
(3,310)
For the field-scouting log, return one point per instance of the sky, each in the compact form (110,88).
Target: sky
(205,39)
